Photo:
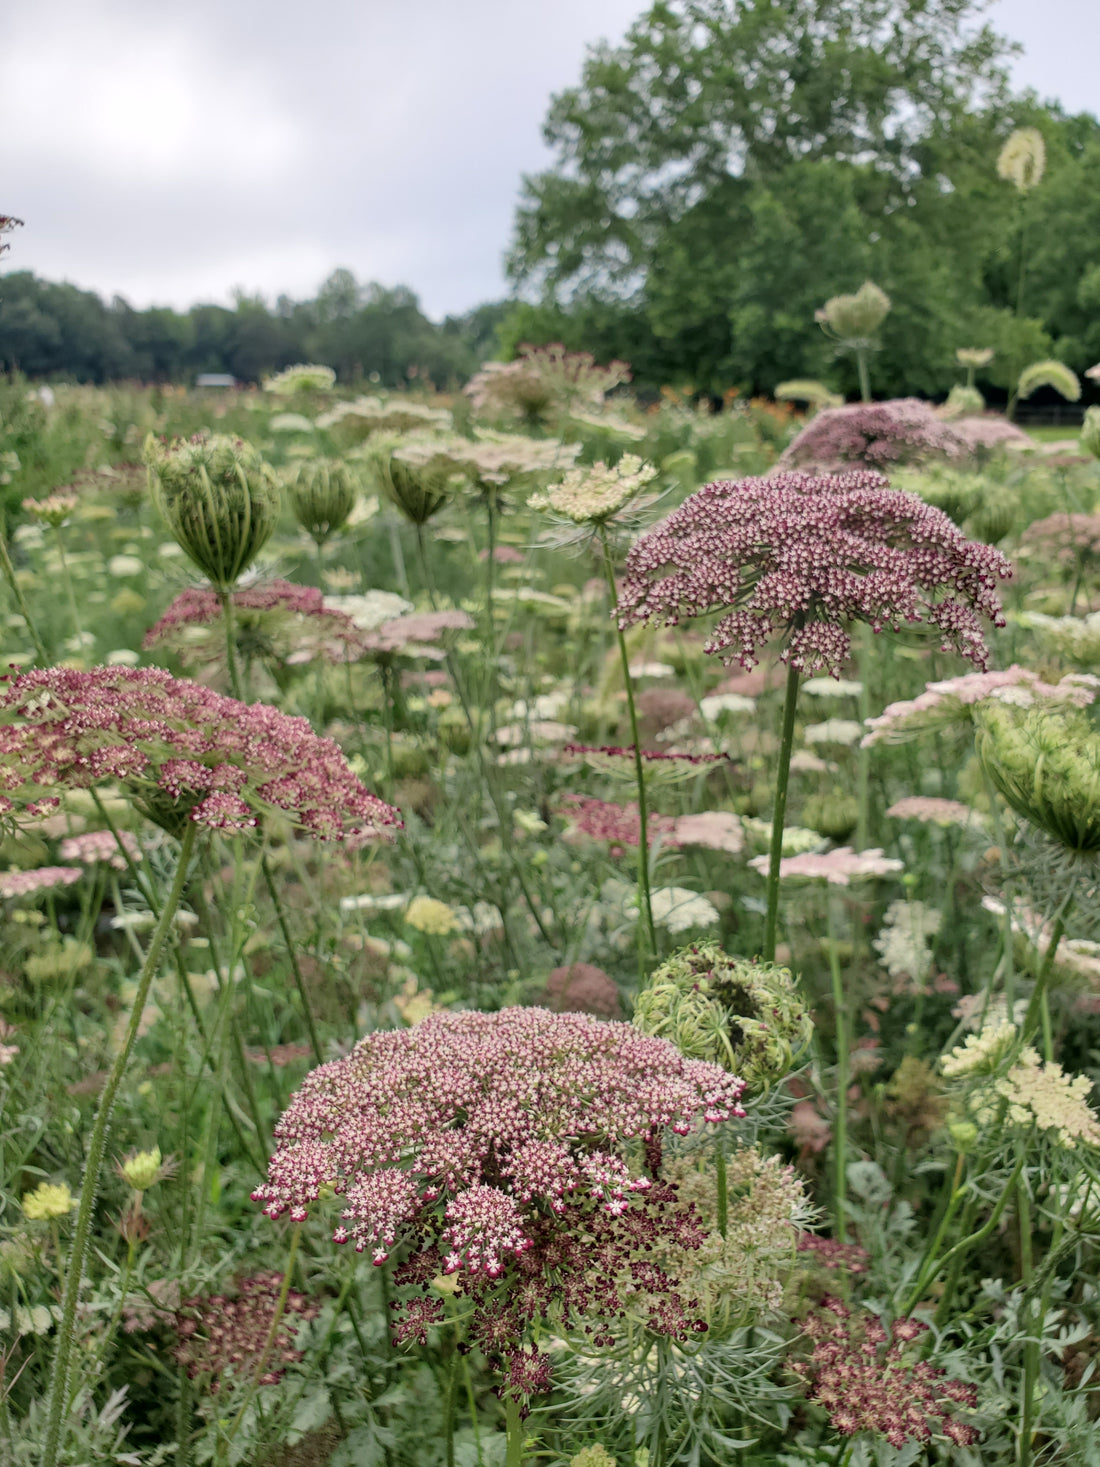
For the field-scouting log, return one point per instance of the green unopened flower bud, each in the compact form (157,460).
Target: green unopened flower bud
(855,318)
(1045,761)
(964,1135)
(747,1017)
(418,490)
(994,514)
(1090,432)
(219,499)
(141,1169)
(323,494)
(963,402)
(834,815)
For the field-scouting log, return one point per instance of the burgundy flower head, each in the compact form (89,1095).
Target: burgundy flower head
(184,751)
(799,557)
(468,1127)
(279,619)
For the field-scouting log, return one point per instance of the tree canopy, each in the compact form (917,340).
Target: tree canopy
(733,163)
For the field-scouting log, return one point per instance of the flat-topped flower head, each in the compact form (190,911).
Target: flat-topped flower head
(839,867)
(183,751)
(952,704)
(800,557)
(468,1127)
(301,377)
(277,622)
(592,494)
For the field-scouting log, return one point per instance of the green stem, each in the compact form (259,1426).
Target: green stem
(1033,1017)
(723,1190)
(261,1363)
(280,917)
(226,599)
(1031,1347)
(864,375)
(644,889)
(779,811)
(863,755)
(840,1131)
(20,600)
(73,611)
(955,1255)
(928,1263)
(514,1424)
(59,1385)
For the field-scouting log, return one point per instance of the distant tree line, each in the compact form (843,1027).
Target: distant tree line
(364,331)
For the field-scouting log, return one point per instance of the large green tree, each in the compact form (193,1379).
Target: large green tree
(734,162)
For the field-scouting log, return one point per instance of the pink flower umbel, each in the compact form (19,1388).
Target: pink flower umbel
(838,867)
(800,557)
(498,1146)
(184,752)
(858,1373)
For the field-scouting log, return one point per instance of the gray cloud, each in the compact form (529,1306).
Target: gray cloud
(169,155)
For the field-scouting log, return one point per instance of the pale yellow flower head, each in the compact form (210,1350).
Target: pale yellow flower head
(1023,158)
(1043,1095)
(48,1202)
(431,916)
(589,495)
(141,1169)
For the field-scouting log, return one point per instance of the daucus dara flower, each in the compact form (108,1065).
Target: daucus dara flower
(101,846)
(951,705)
(931,810)
(1022,159)
(218,498)
(590,495)
(904,942)
(48,1202)
(838,867)
(981,1053)
(430,916)
(1044,1096)
(799,557)
(181,750)
(500,1147)
(855,318)
(228,1337)
(277,621)
(747,1017)
(42,878)
(323,494)
(433,1130)
(54,510)
(1045,762)
(858,1373)
(302,377)
(875,435)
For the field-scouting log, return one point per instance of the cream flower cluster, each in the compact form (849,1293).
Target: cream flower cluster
(1045,1095)
(589,495)
(980,1053)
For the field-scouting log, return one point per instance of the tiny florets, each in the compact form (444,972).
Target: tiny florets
(184,752)
(798,557)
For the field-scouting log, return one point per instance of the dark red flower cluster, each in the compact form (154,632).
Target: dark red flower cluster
(799,557)
(587,1271)
(293,619)
(831,1253)
(222,1336)
(619,825)
(874,435)
(183,751)
(856,1371)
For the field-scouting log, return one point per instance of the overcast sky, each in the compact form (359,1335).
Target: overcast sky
(169,153)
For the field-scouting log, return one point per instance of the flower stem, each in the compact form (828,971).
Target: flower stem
(779,811)
(514,1424)
(20,600)
(265,1353)
(723,1190)
(1034,1015)
(840,1132)
(280,917)
(59,1386)
(864,375)
(226,599)
(644,890)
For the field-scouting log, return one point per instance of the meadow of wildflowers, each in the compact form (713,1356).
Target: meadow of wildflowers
(541,928)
